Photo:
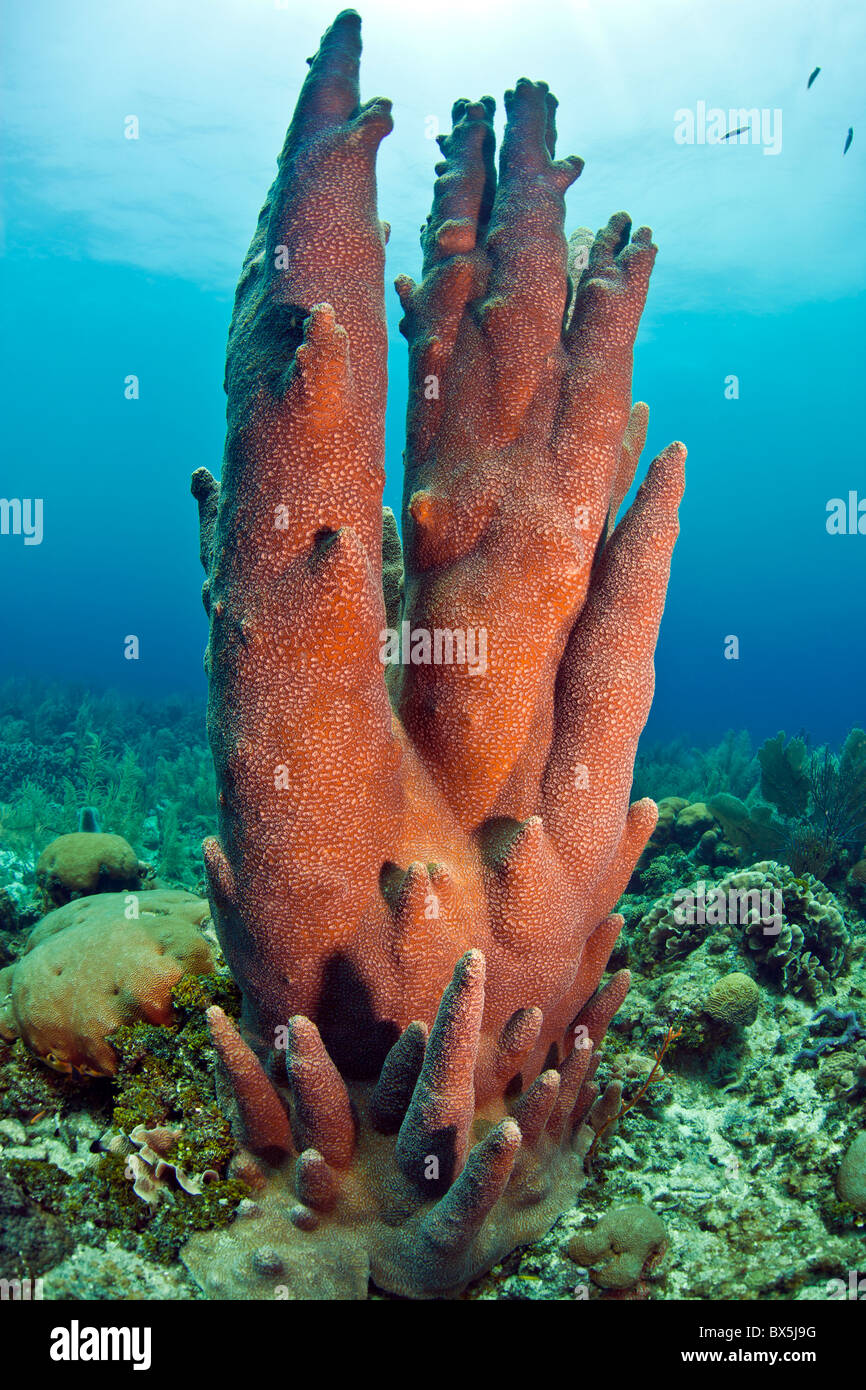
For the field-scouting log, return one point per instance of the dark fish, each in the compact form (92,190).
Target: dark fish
(731,133)
(812,77)
(849,139)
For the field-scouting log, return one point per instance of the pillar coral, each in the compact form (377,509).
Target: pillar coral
(417,865)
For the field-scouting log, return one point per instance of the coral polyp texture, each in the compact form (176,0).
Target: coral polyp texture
(418,858)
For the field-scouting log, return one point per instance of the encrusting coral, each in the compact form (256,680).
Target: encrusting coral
(627,1243)
(415,873)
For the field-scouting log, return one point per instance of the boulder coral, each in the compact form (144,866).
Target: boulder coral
(98,963)
(86,862)
(733,1000)
(423,831)
(623,1248)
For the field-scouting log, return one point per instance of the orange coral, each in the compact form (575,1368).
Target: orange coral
(376,828)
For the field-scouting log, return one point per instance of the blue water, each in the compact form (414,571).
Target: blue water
(121,257)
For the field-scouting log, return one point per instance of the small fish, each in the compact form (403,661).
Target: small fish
(849,139)
(812,77)
(731,133)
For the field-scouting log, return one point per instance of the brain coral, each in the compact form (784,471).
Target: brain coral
(734,1000)
(625,1245)
(88,968)
(73,866)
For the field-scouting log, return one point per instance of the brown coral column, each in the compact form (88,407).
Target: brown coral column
(299,719)
(515,428)
(363,851)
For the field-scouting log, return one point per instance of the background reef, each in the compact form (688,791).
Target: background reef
(723,1180)
(144,766)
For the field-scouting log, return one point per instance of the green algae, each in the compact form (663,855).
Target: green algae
(164,1077)
(105,1206)
(28,1087)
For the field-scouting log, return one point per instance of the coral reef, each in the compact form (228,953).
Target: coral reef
(141,767)
(802,806)
(676,770)
(353,1183)
(851,1178)
(811,949)
(792,929)
(852,1030)
(461,819)
(784,778)
(737,1149)
(813,812)
(414,894)
(29,1238)
(65,1147)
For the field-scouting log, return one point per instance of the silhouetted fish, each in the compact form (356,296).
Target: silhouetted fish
(849,139)
(731,133)
(812,77)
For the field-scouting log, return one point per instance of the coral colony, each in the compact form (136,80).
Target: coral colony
(370,1061)
(417,860)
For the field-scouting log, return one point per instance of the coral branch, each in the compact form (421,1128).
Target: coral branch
(437,1123)
(323,1111)
(265,1123)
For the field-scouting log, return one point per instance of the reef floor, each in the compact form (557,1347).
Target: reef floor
(730,1158)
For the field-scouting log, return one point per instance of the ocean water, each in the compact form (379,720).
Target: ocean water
(139,143)
(121,258)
